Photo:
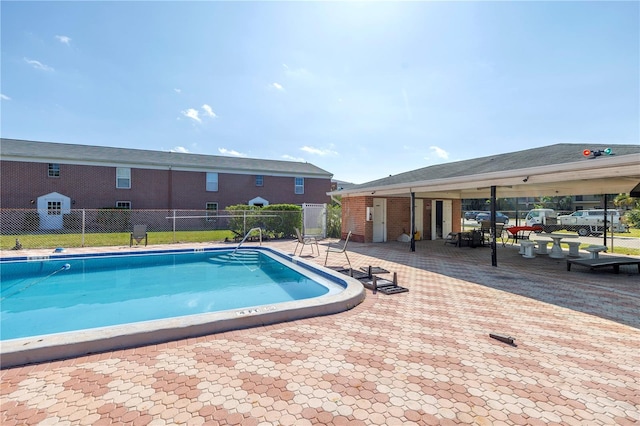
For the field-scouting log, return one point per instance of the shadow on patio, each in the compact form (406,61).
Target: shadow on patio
(596,292)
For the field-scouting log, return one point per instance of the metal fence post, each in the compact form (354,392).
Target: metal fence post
(174,225)
(83,227)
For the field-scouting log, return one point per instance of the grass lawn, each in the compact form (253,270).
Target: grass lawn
(7,242)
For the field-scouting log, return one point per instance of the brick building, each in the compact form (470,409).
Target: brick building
(59,176)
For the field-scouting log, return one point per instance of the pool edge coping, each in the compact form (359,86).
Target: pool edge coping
(32,350)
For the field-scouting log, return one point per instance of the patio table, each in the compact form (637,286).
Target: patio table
(556,249)
(516,233)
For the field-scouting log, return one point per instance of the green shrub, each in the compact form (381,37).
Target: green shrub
(334,221)
(277,220)
(31,221)
(632,217)
(72,221)
(114,219)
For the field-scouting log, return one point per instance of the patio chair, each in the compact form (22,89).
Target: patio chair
(485,229)
(305,240)
(342,249)
(451,238)
(139,233)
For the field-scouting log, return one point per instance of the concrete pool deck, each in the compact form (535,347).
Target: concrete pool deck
(422,357)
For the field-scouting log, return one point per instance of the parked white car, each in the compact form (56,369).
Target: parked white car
(586,222)
(541,217)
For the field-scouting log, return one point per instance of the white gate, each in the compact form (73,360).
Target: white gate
(314,220)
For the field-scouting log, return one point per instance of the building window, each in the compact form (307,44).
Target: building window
(211,211)
(123,177)
(579,198)
(123,205)
(54,170)
(299,185)
(54,208)
(212,182)
(259,180)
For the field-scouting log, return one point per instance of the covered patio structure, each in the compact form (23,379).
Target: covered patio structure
(427,202)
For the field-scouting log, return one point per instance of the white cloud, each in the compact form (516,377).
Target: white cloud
(193,114)
(177,90)
(207,109)
(277,86)
(316,151)
(64,39)
(4,97)
(292,158)
(439,152)
(38,65)
(181,149)
(231,152)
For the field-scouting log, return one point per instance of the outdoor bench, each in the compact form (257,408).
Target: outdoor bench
(603,262)
(542,245)
(574,248)
(527,249)
(595,250)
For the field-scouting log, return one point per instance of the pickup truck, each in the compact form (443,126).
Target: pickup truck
(591,222)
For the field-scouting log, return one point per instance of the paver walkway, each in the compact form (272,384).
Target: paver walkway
(422,357)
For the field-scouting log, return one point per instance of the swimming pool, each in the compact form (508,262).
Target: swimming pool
(68,305)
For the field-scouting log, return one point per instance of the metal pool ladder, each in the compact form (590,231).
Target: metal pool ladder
(247,236)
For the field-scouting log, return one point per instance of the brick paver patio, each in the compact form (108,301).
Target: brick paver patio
(422,357)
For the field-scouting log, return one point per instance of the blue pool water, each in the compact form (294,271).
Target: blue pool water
(69,294)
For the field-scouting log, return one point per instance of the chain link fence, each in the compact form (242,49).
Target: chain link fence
(29,228)
(621,235)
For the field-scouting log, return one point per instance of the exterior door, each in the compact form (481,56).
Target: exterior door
(51,207)
(379,220)
(441,219)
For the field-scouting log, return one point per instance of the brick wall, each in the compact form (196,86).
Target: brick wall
(94,187)
(398,217)
(354,211)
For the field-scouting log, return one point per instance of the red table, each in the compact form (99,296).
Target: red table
(521,232)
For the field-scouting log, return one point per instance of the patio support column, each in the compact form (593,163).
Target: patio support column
(413,221)
(604,196)
(494,254)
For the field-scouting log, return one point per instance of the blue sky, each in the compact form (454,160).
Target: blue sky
(360,89)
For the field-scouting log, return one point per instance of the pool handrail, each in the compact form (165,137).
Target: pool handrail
(246,236)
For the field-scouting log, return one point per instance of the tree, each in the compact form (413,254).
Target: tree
(626,202)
